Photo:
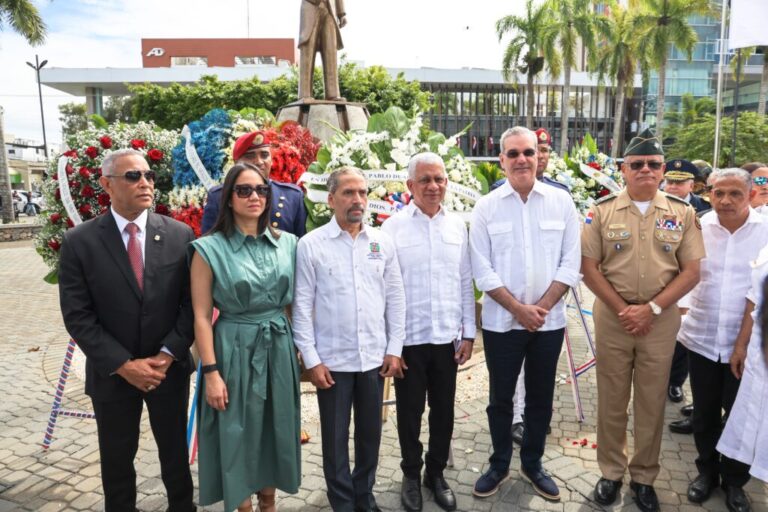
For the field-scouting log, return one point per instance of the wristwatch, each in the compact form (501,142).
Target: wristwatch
(655,308)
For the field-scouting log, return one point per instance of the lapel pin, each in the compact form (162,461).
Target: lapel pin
(157,238)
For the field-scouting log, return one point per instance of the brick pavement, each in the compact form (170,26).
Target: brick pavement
(66,477)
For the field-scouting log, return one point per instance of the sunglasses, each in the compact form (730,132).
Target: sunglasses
(245,191)
(135,176)
(513,153)
(760,180)
(639,164)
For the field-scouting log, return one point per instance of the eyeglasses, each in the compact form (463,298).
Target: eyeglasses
(513,153)
(135,176)
(637,165)
(245,191)
(760,181)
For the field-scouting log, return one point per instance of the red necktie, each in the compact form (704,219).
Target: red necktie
(134,254)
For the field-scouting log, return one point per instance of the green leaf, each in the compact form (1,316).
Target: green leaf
(99,122)
(434,139)
(480,176)
(52,277)
(323,158)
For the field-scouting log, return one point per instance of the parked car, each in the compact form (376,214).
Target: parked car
(28,203)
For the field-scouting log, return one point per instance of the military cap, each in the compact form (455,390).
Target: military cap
(646,143)
(543,137)
(248,141)
(704,170)
(680,170)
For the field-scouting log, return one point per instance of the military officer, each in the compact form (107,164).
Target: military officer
(287,211)
(680,177)
(641,250)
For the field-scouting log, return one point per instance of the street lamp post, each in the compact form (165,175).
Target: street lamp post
(37,66)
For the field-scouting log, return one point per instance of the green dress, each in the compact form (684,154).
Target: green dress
(255,442)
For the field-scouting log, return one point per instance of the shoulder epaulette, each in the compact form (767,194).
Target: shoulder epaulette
(675,198)
(289,186)
(607,198)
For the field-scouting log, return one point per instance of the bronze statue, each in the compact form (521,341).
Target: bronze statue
(319,32)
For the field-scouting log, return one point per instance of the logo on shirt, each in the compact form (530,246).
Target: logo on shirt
(374,251)
(588,220)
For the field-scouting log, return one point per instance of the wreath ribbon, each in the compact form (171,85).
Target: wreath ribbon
(66,195)
(194,160)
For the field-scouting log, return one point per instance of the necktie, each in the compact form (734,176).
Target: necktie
(134,254)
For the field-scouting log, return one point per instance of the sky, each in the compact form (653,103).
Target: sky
(98,34)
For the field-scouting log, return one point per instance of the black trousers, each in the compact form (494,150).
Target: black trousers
(118,425)
(363,392)
(431,375)
(679,371)
(714,389)
(504,356)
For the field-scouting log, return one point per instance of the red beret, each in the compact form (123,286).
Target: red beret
(543,137)
(245,142)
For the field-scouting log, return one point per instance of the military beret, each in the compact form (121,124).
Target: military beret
(680,170)
(646,143)
(543,137)
(245,142)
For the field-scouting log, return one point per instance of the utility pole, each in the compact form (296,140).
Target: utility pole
(37,66)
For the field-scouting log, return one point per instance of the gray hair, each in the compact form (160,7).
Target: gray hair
(731,172)
(335,177)
(108,164)
(426,158)
(520,131)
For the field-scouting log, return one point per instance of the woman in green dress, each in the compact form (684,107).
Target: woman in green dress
(249,415)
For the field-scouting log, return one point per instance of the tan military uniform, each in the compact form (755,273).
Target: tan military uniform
(639,255)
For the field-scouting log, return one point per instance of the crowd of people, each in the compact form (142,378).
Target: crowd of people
(351,305)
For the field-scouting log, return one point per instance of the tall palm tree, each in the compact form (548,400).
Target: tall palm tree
(664,23)
(523,53)
(763,83)
(569,22)
(617,61)
(22,17)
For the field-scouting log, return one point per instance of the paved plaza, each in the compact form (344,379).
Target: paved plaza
(66,476)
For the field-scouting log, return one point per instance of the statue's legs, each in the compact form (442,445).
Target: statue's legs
(328,48)
(307,53)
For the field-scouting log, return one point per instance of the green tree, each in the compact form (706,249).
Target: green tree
(569,22)
(73,117)
(23,18)
(691,111)
(523,52)
(696,141)
(664,24)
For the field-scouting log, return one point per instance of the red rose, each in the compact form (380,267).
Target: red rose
(70,224)
(103,199)
(85,209)
(55,176)
(161,209)
(54,244)
(71,153)
(98,171)
(87,191)
(55,218)
(138,144)
(85,173)
(106,142)
(73,185)
(70,170)
(57,194)
(92,151)
(155,155)
(595,166)
(603,192)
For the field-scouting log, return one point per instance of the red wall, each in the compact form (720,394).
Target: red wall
(220,52)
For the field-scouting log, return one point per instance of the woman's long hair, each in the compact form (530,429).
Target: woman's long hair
(225,222)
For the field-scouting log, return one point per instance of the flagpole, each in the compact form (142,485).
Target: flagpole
(719,103)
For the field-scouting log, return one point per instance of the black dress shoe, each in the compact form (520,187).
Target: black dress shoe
(683,426)
(675,394)
(517,433)
(410,494)
(735,499)
(606,491)
(444,496)
(700,489)
(645,497)
(687,410)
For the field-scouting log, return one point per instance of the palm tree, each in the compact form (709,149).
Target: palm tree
(663,23)
(22,16)
(523,53)
(617,61)
(763,83)
(569,22)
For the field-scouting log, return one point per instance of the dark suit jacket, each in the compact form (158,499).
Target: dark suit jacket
(110,318)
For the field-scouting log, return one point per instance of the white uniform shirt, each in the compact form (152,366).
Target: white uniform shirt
(717,302)
(434,261)
(524,247)
(349,303)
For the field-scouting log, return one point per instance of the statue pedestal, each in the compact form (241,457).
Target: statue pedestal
(317,115)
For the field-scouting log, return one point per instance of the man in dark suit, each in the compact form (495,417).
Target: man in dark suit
(287,211)
(124,293)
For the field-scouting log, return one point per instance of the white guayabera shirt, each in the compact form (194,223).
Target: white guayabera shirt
(717,302)
(524,247)
(434,261)
(348,302)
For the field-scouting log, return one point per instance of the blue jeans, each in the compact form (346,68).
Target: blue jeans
(505,353)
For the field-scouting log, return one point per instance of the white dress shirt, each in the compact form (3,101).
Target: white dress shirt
(717,302)
(349,303)
(140,221)
(524,246)
(437,275)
